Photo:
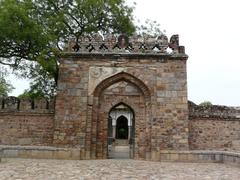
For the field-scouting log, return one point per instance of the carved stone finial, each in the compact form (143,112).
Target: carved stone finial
(162,42)
(174,43)
(76,47)
(123,41)
(71,44)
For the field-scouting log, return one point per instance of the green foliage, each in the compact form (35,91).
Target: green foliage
(149,28)
(33,30)
(42,85)
(21,34)
(5,87)
(75,17)
(37,31)
(29,94)
(206,104)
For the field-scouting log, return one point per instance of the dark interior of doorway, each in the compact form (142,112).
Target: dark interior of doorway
(122,128)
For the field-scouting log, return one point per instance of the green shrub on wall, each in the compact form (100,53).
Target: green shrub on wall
(206,104)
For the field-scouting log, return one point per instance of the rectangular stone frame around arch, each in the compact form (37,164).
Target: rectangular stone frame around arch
(97,118)
(98,145)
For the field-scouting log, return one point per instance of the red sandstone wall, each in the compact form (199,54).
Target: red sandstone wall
(26,128)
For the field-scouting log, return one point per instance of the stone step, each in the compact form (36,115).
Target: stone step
(121,142)
(120,152)
(121,148)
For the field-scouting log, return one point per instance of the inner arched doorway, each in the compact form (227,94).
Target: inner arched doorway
(121,132)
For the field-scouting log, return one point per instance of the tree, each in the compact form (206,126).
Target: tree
(206,103)
(43,85)
(5,87)
(33,33)
(149,27)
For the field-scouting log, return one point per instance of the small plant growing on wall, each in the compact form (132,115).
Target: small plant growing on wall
(206,104)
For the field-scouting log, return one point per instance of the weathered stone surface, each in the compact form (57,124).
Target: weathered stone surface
(26,128)
(151,84)
(104,81)
(214,127)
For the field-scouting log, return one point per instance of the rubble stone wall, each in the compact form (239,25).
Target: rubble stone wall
(26,122)
(214,127)
(210,127)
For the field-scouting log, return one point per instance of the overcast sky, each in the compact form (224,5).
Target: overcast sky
(210,32)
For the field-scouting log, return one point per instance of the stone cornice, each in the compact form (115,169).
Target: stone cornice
(150,56)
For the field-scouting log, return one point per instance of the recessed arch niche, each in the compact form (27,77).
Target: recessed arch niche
(122,88)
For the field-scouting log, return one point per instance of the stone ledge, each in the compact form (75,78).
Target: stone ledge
(125,55)
(48,152)
(41,152)
(198,156)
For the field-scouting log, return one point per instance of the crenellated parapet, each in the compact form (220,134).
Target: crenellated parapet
(124,44)
(14,104)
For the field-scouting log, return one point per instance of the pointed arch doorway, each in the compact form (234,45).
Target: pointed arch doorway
(121,132)
(119,89)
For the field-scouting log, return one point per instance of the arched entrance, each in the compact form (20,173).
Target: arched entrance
(118,93)
(121,132)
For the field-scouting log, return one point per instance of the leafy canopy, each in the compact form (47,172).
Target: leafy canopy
(33,33)
(39,29)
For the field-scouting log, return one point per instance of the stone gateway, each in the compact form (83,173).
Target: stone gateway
(127,98)
(119,97)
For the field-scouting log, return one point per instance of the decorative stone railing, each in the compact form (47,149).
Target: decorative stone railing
(14,104)
(213,111)
(124,44)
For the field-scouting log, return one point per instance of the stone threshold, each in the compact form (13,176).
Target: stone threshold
(49,152)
